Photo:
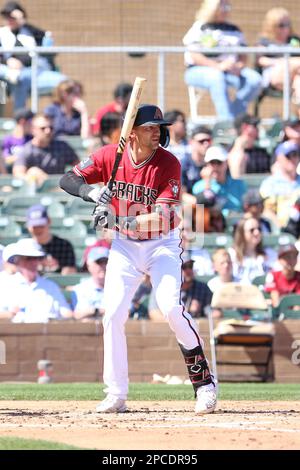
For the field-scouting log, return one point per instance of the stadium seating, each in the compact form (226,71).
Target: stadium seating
(235,300)
(18,205)
(78,207)
(67,280)
(224,133)
(271,240)
(266,92)
(69,228)
(254,180)
(286,310)
(9,228)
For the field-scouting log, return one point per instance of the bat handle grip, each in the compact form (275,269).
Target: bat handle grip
(114,171)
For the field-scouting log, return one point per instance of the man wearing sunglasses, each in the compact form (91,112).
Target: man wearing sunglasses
(43,155)
(192,164)
(282,188)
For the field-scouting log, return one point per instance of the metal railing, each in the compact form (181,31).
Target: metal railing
(161,52)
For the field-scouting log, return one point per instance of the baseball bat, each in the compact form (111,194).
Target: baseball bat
(129,119)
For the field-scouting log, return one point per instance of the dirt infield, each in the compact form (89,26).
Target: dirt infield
(156,425)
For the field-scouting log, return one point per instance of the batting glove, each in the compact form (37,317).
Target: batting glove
(103,217)
(101,196)
(127,226)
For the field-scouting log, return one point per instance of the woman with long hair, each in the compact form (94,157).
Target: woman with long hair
(249,258)
(219,72)
(277,31)
(68,110)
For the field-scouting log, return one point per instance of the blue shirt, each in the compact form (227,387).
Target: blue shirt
(63,124)
(229,194)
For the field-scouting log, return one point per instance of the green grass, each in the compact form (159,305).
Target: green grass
(144,391)
(17,443)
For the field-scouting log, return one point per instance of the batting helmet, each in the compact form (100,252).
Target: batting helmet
(149,114)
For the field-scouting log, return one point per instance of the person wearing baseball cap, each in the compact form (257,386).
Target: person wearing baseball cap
(87,296)
(282,187)
(253,204)
(28,297)
(60,252)
(291,129)
(216,178)
(141,202)
(287,280)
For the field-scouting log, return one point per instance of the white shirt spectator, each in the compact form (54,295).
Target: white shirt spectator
(38,302)
(216,282)
(203,264)
(252,267)
(87,295)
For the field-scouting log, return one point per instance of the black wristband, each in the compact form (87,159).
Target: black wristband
(84,191)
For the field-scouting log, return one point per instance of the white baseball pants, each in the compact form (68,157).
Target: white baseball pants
(128,261)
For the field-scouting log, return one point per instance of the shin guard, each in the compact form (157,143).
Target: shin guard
(197,366)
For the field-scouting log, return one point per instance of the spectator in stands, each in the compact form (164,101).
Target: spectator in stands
(277,31)
(110,128)
(291,130)
(218,72)
(195,295)
(139,303)
(21,134)
(6,268)
(245,155)
(60,256)
(282,188)
(87,297)
(68,110)
(217,184)
(179,144)
(16,69)
(223,268)
(191,165)
(43,155)
(293,224)
(119,105)
(286,281)
(28,297)
(104,241)
(249,258)
(253,205)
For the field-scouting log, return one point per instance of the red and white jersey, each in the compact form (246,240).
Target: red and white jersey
(137,188)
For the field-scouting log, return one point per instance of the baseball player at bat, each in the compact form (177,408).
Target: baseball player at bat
(140,209)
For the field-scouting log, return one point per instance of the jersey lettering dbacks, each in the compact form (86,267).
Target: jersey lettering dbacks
(137,188)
